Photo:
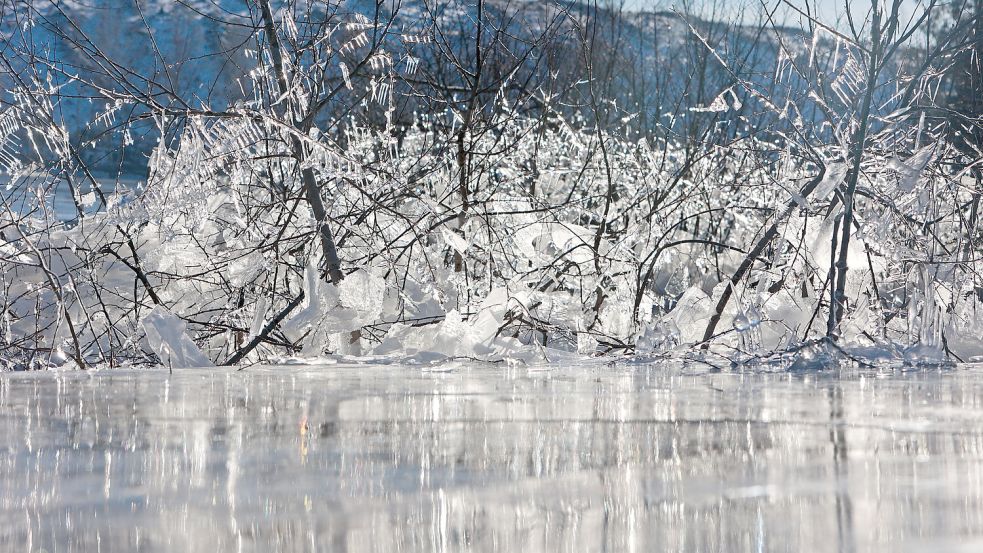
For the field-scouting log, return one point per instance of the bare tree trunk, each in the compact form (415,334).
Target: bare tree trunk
(463,154)
(312,192)
(838,303)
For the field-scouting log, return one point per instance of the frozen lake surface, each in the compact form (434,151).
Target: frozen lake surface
(485,458)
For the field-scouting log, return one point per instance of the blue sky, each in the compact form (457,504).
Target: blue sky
(830,11)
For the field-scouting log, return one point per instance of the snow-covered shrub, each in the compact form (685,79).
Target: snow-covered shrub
(322,213)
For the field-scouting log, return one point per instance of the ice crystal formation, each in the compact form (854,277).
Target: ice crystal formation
(484,180)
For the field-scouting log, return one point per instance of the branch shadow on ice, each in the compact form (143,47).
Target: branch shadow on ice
(824,354)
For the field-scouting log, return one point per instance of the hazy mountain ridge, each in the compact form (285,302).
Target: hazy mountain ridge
(196,49)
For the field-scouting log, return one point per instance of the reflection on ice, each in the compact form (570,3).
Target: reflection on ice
(490,459)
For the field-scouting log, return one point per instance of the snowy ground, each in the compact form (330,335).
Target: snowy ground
(491,458)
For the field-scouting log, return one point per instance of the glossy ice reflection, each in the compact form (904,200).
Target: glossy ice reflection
(486,459)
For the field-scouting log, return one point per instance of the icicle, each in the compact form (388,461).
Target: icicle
(918,134)
(345,75)
(411,65)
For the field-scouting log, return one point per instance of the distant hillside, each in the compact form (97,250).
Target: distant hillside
(652,63)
